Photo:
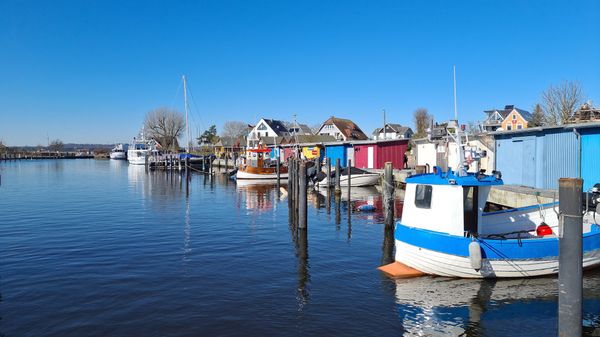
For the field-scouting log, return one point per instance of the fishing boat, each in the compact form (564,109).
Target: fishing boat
(118,152)
(358,178)
(258,165)
(447,230)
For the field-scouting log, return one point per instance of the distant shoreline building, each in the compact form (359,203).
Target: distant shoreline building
(342,129)
(508,119)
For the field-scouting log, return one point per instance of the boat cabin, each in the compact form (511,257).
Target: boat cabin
(446,202)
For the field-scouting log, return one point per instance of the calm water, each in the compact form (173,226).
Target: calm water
(97,248)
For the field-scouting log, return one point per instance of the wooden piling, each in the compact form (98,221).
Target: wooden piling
(278,169)
(187,163)
(388,194)
(570,260)
(302,197)
(328,169)
(338,190)
(146,163)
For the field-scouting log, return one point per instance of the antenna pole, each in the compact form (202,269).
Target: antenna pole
(455,110)
(384,133)
(185,106)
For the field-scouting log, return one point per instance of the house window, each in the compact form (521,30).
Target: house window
(519,126)
(514,117)
(423,196)
(262,126)
(508,127)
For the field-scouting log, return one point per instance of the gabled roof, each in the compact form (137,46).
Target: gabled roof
(231,141)
(346,127)
(271,140)
(276,125)
(392,128)
(507,110)
(303,139)
(303,129)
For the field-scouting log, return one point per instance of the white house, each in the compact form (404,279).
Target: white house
(342,129)
(266,128)
(393,131)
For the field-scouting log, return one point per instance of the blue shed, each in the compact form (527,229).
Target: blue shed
(335,151)
(538,157)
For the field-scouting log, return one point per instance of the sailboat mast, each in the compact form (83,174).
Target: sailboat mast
(461,154)
(455,109)
(187,124)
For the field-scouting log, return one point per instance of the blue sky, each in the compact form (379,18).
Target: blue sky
(88,71)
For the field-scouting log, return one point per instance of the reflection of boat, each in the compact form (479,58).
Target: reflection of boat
(434,306)
(118,152)
(259,194)
(258,165)
(445,231)
(358,178)
(140,149)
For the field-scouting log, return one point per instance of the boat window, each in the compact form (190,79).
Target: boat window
(423,196)
(470,206)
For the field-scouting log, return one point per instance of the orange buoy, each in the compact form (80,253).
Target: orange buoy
(400,270)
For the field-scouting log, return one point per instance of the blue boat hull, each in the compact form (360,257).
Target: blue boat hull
(448,255)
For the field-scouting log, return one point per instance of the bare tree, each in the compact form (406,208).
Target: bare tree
(422,120)
(165,126)
(2,147)
(315,128)
(56,145)
(234,129)
(537,116)
(560,102)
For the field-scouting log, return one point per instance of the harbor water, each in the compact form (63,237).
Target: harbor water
(100,248)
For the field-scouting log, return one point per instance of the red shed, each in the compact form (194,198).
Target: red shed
(375,153)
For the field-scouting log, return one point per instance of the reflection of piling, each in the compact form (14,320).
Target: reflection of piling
(227,162)
(349,183)
(289,183)
(388,194)
(387,248)
(146,163)
(328,163)
(187,164)
(338,214)
(303,275)
(337,177)
(570,281)
(302,197)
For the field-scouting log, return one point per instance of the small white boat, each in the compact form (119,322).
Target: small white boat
(118,152)
(358,178)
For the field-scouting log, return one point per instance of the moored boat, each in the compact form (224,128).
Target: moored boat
(140,149)
(358,178)
(118,152)
(258,165)
(447,230)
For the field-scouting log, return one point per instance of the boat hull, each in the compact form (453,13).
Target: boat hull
(260,176)
(358,180)
(441,254)
(137,157)
(118,155)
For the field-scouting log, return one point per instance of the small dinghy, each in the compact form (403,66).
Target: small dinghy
(358,178)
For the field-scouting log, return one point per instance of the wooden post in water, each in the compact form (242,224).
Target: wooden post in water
(226,161)
(328,170)
(338,190)
(302,197)
(146,162)
(179,163)
(388,194)
(570,260)
(187,163)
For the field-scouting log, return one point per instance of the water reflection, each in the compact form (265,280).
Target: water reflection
(258,195)
(442,306)
(302,293)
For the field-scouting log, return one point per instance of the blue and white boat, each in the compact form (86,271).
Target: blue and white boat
(445,230)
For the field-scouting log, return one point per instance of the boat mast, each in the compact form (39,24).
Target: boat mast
(461,154)
(187,125)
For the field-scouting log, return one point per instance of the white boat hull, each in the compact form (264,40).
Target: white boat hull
(137,157)
(246,175)
(440,264)
(358,180)
(118,155)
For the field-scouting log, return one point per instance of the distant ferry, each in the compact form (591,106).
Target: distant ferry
(118,152)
